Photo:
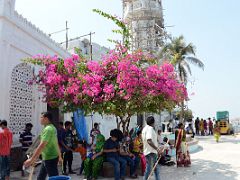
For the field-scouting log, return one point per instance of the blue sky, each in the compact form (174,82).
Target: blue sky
(212,26)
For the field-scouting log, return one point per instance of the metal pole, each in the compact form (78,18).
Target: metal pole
(66,35)
(90,45)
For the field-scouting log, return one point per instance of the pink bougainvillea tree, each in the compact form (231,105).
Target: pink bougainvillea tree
(121,83)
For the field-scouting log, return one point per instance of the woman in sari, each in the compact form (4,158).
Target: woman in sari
(201,127)
(217,133)
(182,153)
(93,164)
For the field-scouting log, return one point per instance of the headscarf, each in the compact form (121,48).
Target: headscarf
(100,142)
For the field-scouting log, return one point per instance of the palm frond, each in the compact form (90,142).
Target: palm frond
(189,49)
(185,64)
(195,61)
(182,73)
(181,55)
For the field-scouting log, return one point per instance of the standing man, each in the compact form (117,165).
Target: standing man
(63,145)
(26,139)
(210,126)
(61,134)
(68,148)
(48,148)
(150,148)
(197,124)
(5,148)
(94,132)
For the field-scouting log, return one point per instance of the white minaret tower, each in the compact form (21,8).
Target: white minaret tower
(145,20)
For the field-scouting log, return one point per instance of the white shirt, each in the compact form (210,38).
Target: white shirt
(149,133)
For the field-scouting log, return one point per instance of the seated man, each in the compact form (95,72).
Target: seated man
(131,159)
(111,150)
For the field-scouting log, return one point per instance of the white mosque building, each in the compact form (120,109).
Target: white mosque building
(19,38)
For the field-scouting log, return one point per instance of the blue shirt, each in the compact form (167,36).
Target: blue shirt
(110,144)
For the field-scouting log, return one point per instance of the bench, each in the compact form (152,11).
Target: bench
(108,170)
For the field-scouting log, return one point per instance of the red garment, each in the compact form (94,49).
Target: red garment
(6,139)
(143,163)
(82,151)
(210,124)
(205,124)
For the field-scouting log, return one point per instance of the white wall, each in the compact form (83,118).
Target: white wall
(20,39)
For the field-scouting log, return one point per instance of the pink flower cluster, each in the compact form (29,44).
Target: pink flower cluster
(119,76)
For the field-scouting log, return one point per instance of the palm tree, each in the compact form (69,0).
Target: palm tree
(181,55)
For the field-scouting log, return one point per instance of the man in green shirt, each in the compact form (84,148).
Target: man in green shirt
(48,148)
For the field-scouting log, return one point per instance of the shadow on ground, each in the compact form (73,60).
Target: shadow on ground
(200,170)
(223,139)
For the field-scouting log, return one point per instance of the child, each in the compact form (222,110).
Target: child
(217,132)
(82,149)
(138,150)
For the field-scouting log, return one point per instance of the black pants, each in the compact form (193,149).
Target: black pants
(24,158)
(197,131)
(48,167)
(67,160)
(210,131)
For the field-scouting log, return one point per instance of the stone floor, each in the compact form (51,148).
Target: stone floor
(220,161)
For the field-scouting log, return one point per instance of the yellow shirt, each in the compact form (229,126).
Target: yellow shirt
(137,145)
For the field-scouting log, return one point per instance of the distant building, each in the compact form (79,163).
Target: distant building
(84,45)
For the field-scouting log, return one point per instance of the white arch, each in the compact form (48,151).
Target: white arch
(21,97)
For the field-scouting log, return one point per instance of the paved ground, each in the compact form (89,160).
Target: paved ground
(220,161)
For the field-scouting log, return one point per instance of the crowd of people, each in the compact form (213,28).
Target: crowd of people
(142,145)
(139,146)
(207,127)
(204,127)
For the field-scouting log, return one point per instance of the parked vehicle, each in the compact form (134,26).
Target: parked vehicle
(223,121)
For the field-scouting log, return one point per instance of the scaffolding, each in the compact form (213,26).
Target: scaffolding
(145,21)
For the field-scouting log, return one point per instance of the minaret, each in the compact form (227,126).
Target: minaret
(145,20)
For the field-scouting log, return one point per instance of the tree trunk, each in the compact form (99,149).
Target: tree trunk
(118,123)
(182,112)
(124,127)
(128,122)
(123,123)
